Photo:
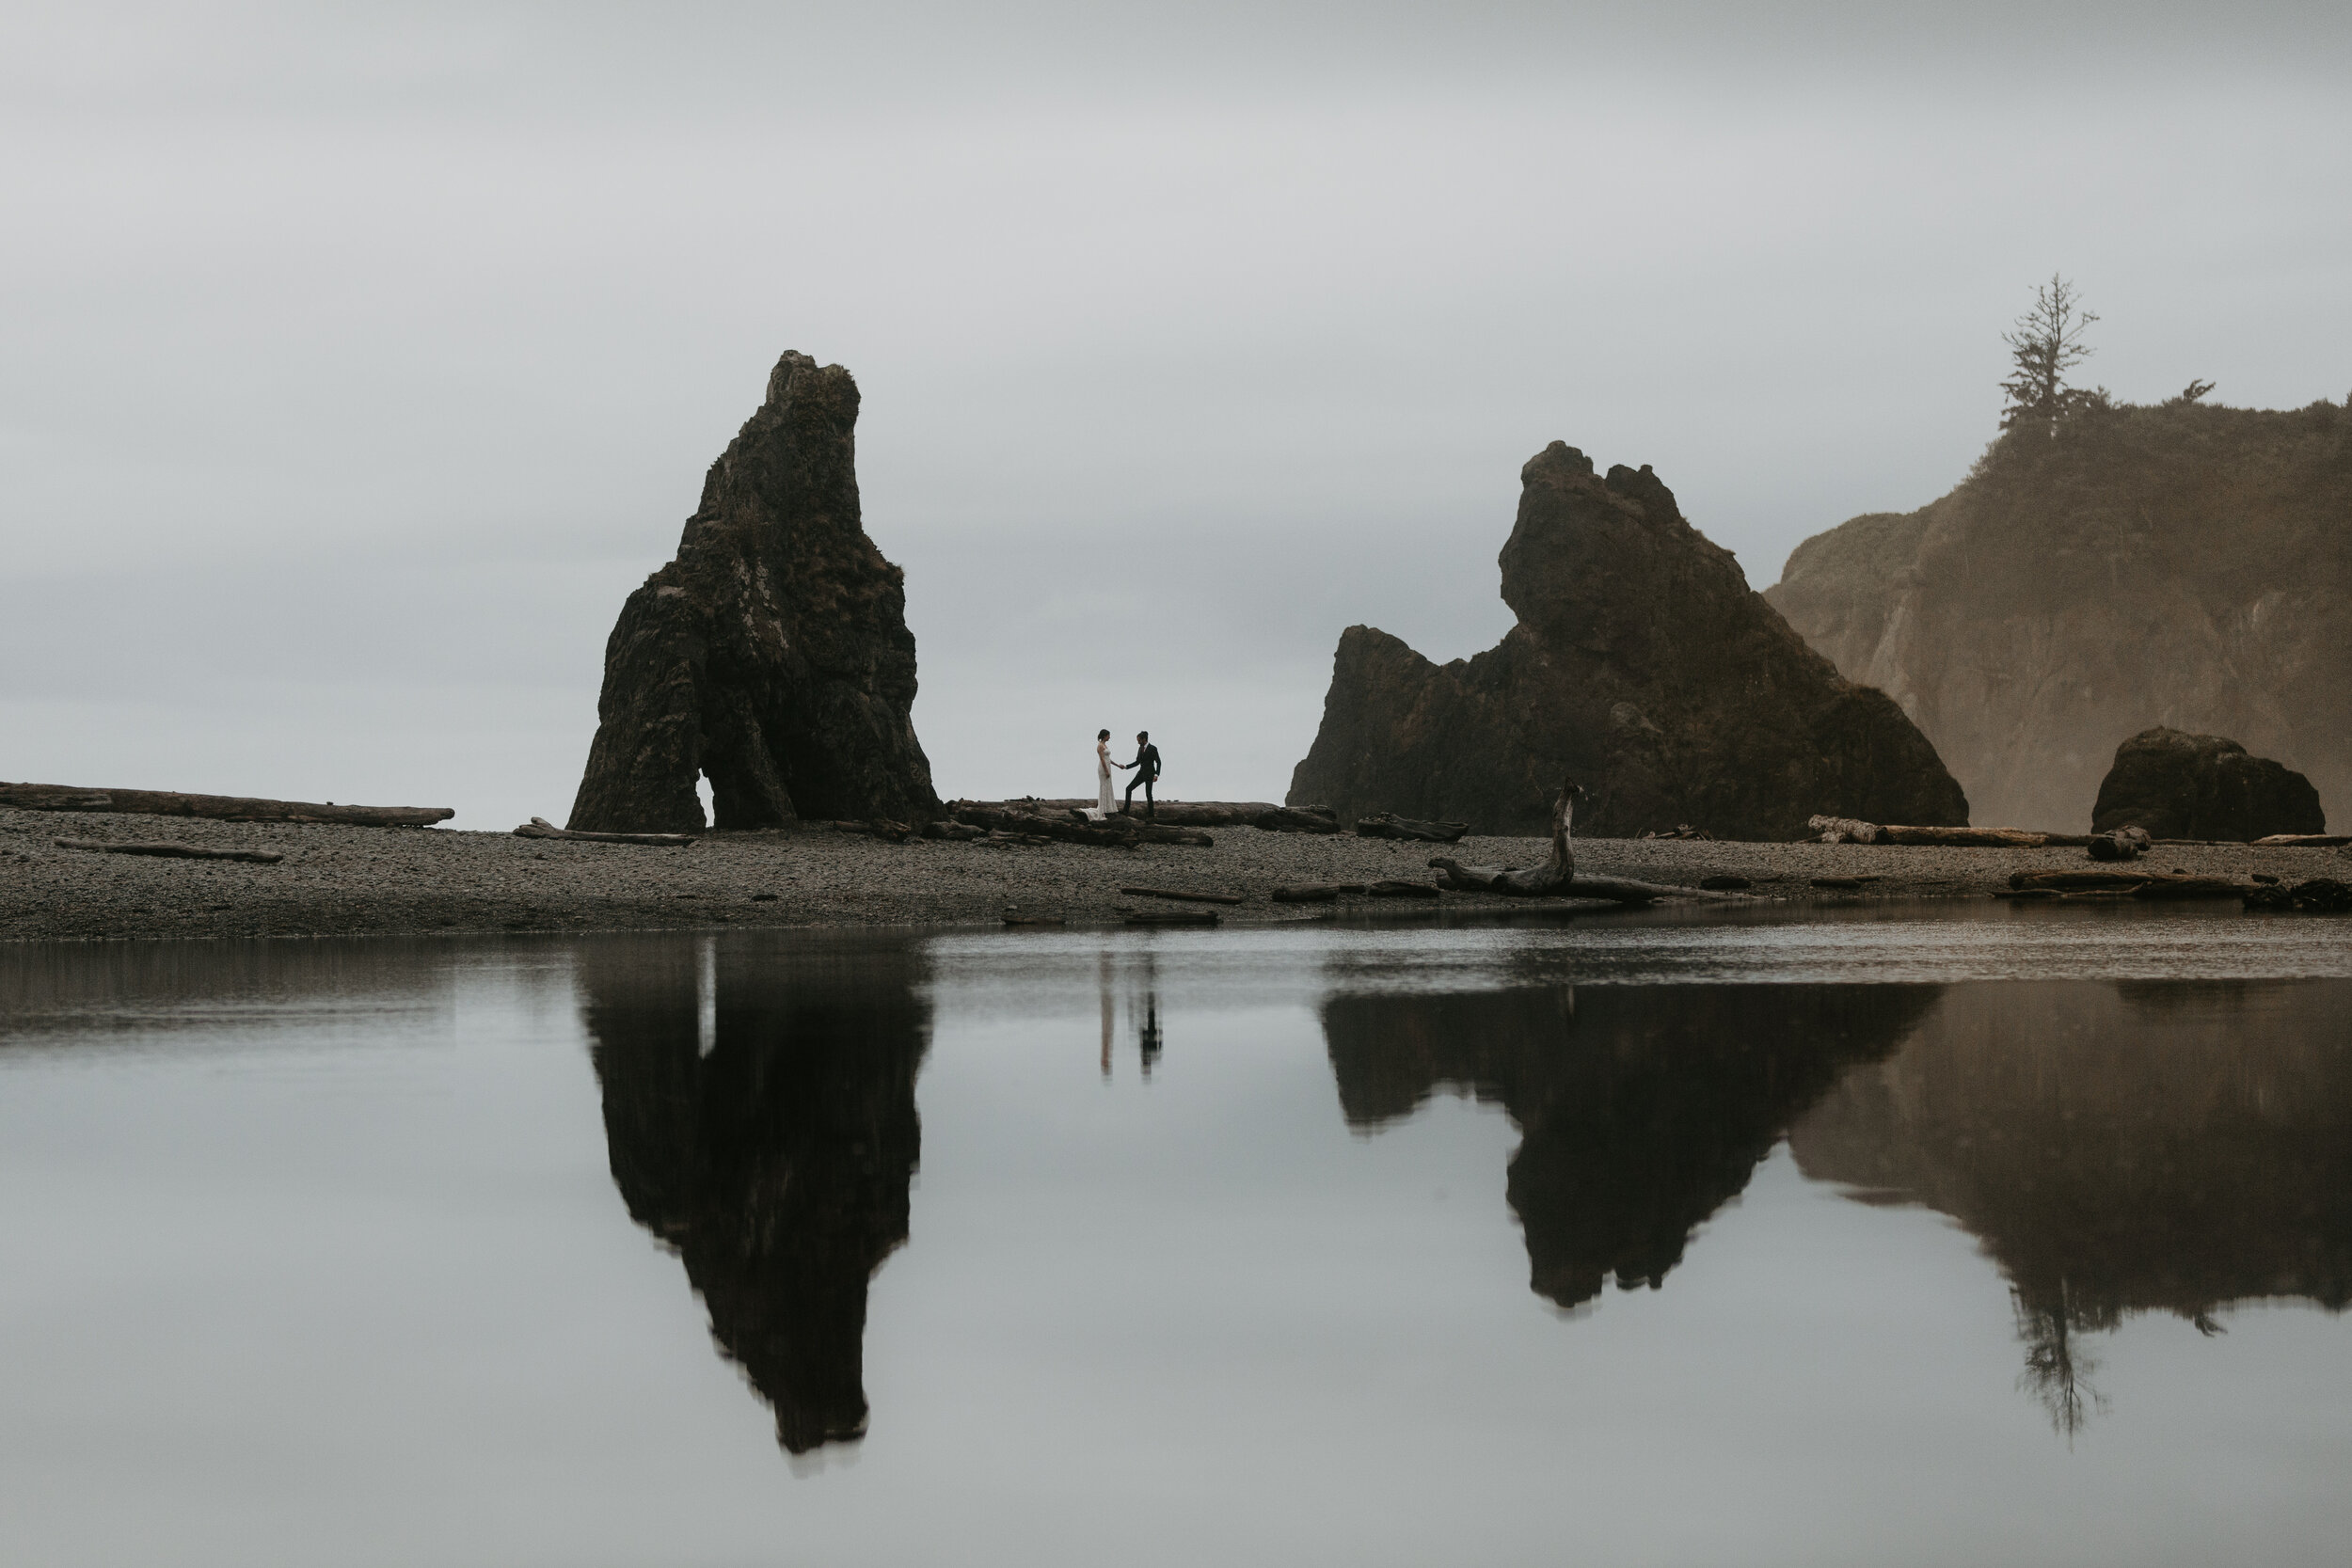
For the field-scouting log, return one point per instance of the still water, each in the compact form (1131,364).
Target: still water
(2013,1235)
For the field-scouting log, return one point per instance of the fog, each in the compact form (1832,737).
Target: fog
(359,363)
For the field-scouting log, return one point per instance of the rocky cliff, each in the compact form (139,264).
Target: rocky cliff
(772,654)
(1642,665)
(2178,565)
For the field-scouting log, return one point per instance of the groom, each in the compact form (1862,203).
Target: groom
(1147,767)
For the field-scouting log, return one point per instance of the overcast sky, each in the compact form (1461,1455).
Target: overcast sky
(358,361)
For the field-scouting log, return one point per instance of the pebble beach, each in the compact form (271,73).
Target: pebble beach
(345,881)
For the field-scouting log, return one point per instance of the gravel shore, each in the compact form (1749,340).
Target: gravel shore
(337,880)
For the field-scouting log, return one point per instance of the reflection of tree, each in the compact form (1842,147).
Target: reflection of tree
(2057,1370)
(778,1163)
(2117,1149)
(1644,1109)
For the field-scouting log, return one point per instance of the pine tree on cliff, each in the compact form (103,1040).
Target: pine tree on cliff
(2047,342)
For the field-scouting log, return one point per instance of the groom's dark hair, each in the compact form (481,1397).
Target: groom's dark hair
(1143,734)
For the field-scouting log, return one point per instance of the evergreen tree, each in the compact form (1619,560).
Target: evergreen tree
(2047,342)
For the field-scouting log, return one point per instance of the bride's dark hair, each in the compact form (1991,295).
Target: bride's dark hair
(1102,735)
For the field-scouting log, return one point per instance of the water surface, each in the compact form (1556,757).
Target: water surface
(1942,1234)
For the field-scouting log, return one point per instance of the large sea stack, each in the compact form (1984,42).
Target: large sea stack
(1644,666)
(2178,564)
(772,656)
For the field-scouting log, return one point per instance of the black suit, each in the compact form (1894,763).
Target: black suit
(1147,767)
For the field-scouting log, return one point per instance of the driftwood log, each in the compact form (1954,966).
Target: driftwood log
(1297,819)
(1556,878)
(2304,840)
(2137,885)
(1315,893)
(2123,844)
(539,826)
(1383,824)
(1117,833)
(1388,888)
(1181,895)
(174,851)
(216,808)
(2075,878)
(1848,830)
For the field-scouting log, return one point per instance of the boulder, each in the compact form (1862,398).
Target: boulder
(2177,786)
(772,656)
(1642,664)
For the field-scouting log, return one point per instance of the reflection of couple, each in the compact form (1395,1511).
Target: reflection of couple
(1147,767)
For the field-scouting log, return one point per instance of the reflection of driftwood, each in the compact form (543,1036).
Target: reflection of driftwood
(218,808)
(1182,897)
(1173,917)
(174,851)
(539,826)
(1389,825)
(2191,887)
(1014,917)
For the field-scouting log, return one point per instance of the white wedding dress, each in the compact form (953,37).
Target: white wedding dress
(1103,778)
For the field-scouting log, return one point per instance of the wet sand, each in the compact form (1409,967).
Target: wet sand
(337,880)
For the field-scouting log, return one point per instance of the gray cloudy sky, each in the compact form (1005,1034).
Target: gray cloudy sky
(361,359)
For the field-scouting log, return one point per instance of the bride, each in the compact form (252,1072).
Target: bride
(1103,771)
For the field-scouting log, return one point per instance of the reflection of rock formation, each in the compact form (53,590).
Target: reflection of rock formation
(2117,1149)
(761,1121)
(1642,665)
(1643,1108)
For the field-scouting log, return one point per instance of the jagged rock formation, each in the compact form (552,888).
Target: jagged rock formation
(2117,1148)
(773,1151)
(2181,565)
(2176,785)
(772,654)
(1642,1109)
(1642,666)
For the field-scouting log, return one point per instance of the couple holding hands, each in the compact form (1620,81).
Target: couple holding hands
(1145,766)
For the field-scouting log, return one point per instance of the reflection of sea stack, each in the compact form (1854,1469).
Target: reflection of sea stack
(778,1163)
(1642,1109)
(2119,1148)
(772,654)
(1641,664)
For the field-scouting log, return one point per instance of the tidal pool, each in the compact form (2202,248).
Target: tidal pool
(1931,1234)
